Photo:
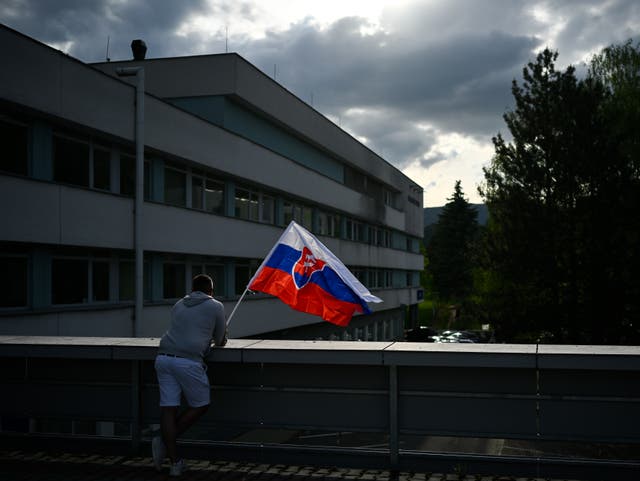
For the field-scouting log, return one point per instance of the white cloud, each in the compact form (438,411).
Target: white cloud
(455,157)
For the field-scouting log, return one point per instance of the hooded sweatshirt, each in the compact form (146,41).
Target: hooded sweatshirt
(196,320)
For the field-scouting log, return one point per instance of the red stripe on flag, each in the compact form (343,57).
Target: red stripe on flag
(311,298)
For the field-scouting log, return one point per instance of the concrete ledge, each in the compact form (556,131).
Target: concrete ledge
(622,358)
(523,356)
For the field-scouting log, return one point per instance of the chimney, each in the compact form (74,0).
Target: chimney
(139,49)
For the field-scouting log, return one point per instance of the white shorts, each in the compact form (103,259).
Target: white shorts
(176,376)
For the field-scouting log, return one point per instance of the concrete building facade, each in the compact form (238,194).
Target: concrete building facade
(230,157)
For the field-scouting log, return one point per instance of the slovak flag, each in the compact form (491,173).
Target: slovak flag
(304,274)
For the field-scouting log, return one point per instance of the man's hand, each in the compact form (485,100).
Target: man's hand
(225,338)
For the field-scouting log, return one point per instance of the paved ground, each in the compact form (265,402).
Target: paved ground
(40,466)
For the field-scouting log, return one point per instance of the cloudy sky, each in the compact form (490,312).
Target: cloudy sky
(423,83)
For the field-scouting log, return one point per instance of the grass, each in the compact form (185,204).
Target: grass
(426,317)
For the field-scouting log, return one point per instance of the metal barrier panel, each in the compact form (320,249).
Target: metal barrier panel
(66,388)
(528,394)
(479,402)
(592,405)
(589,393)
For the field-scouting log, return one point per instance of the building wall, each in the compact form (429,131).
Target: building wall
(67,201)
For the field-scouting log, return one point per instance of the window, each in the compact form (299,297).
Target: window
(127,281)
(415,245)
(307,217)
(387,276)
(175,186)
(127,174)
(355,180)
(329,224)
(289,210)
(380,278)
(379,237)
(100,281)
(301,213)
(197,192)
(81,163)
(207,194)
(214,196)
(14,281)
(69,281)
(14,141)
(413,279)
(389,198)
(246,204)
(78,281)
(413,201)
(244,271)
(375,190)
(360,274)
(173,280)
(70,161)
(323,223)
(267,209)
(355,230)
(101,169)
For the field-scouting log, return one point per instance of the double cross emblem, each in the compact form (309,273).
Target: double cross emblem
(304,268)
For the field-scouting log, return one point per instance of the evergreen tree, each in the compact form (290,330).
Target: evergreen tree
(451,246)
(554,194)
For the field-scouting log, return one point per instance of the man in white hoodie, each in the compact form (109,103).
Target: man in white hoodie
(197,320)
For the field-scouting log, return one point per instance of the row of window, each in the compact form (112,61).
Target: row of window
(90,164)
(65,278)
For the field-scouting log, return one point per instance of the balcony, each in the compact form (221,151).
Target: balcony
(524,410)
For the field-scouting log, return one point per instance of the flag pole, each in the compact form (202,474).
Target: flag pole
(246,289)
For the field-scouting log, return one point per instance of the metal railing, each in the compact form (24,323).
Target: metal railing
(490,408)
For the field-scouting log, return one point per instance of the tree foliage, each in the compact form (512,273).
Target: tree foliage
(563,200)
(451,246)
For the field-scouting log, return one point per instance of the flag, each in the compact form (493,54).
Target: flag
(304,274)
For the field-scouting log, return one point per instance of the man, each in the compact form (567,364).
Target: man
(197,320)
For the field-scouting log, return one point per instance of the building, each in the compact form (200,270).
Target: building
(230,157)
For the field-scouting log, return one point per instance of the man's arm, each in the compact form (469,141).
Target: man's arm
(220,329)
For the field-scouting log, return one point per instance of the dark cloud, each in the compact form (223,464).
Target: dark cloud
(88,24)
(596,24)
(428,68)
(460,85)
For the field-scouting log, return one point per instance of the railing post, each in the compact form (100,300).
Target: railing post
(135,406)
(393,418)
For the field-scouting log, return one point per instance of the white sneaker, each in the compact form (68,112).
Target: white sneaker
(158,451)
(178,468)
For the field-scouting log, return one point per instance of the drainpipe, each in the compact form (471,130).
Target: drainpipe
(138,72)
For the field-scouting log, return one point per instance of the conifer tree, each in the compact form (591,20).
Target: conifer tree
(450,249)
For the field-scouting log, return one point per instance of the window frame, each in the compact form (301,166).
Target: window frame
(23,125)
(27,259)
(63,135)
(90,260)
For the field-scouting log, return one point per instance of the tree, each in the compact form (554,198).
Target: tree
(553,194)
(450,249)
(617,68)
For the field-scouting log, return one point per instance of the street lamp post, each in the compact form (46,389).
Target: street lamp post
(138,72)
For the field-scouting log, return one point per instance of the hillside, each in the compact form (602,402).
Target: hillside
(431,215)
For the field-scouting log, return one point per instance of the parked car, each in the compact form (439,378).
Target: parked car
(456,336)
(420,334)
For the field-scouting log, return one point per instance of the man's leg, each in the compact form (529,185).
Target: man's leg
(173,425)
(188,417)
(168,426)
